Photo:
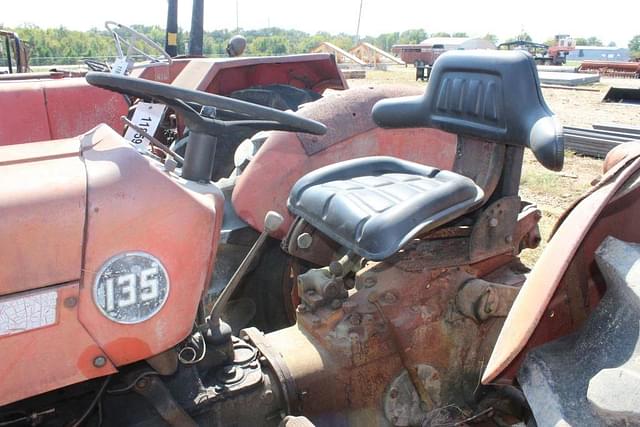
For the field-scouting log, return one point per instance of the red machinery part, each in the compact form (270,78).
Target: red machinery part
(41,359)
(610,65)
(74,205)
(41,180)
(39,110)
(133,205)
(223,76)
(53,108)
(546,309)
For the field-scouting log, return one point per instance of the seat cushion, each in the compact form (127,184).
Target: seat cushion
(376,205)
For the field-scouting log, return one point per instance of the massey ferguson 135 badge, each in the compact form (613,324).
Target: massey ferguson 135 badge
(131,287)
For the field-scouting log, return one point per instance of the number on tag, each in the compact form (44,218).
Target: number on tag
(148,117)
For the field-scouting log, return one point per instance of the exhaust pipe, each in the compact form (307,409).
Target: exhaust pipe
(171,38)
(197,22)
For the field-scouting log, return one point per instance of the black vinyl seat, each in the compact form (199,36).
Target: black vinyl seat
(375,205)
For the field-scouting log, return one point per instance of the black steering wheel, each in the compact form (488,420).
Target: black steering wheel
(255,116)
(198,164)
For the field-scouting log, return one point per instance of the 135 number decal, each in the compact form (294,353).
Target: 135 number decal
(131,287)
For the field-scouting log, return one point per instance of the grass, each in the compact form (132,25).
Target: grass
(554,192)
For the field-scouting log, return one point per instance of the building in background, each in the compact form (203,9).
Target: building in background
(599,53)
(428,50)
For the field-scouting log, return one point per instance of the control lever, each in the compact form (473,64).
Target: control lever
(272,221)
(216,332)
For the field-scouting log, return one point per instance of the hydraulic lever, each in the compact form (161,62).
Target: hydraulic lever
(216,332)
(272,221)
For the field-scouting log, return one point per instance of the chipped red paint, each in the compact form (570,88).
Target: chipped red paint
(48,358)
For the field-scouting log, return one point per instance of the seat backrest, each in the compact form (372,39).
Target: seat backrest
(488,95)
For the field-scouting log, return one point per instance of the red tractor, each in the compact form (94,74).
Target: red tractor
(378,254)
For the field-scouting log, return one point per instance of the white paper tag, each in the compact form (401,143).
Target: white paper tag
(120,66)
(146,116)
(24,313)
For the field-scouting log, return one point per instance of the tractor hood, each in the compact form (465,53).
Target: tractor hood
(42,214)
(105,254)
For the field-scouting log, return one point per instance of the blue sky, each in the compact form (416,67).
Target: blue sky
(541,18)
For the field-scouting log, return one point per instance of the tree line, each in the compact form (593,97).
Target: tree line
(64,46)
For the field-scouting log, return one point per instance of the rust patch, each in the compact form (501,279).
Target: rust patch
(347,114)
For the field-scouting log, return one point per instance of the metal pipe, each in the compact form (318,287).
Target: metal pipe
(18,53)
(171,37)
(617,128)
(153,141)
(197,23)
(199,157)
(358,28)
(8,44)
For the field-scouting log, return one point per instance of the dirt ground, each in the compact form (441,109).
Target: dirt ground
(552,192)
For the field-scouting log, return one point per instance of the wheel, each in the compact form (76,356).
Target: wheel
(136,45)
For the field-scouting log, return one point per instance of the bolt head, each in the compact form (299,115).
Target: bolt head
(493,222)
(304,241)
(70,302)
(370,282)
(142,383)
(389,298)
(99,361)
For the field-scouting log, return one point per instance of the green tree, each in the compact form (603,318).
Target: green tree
(594,41)
(385,41)
(441,34)
(612,44)
(491,37)
(413,36)
(523,36)
(274,45)
(459,34)
(634,46)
